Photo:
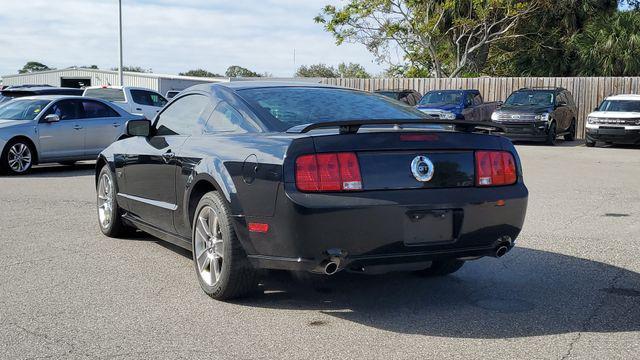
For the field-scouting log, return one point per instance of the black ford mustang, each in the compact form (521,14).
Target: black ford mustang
(253,175)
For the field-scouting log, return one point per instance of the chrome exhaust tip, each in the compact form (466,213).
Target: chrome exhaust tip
(331,267)
(501,251)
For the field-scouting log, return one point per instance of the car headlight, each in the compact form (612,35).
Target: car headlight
(448,115)
(495,116)
(542,117)
(590,120)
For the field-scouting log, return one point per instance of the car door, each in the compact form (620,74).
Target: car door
(151,173)
(63,139)
(102,125)
(562,112)
(146,102)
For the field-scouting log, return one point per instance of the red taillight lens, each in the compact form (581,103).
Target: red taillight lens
(307,178)
(328,172)
(495,168)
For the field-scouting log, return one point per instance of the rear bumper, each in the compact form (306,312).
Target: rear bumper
(527,131)
(309,229)
(617,136)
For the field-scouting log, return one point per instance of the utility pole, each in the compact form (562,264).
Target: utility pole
(120,75)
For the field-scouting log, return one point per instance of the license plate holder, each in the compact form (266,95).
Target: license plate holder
(429,226)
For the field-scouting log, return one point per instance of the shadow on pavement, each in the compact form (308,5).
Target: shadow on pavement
(59,171)
(559,143)
(527,293)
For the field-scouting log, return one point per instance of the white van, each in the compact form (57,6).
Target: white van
(138,101)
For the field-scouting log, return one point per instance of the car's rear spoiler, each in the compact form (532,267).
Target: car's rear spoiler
(352,126)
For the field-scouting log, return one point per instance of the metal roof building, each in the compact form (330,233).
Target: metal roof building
(81,77)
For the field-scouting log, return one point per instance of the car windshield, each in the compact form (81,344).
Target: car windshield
(441,98)
(528,98)
(108,94)
(22,109)
(292,106)
(620,105)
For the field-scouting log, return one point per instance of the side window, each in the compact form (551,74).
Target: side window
(94,109)
(225,118)
(468,100)
(148,98)
(561,99)
(183,116)
(477,99)
(66,109)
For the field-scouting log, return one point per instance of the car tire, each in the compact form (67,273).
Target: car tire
(588,143)
(552,134)
(68,163)
(221,264)
(109,213)
(442,267)
(571,136)
(18,157)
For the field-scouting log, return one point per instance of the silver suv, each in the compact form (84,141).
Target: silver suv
(64,129)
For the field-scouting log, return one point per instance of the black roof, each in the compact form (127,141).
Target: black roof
(48,90)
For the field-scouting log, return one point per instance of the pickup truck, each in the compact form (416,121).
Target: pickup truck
(137,101)
(457,104)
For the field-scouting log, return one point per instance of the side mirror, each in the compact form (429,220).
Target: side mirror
(138,128)
(51,118)
(596,109)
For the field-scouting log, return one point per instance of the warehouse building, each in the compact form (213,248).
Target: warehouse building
(80,77)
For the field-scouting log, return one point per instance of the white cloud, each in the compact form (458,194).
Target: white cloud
(172,36)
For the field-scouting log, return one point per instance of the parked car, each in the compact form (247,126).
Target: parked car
(408,96)
(172,93)
(615,121)
(139,101)
(48,128)
(13,92)
(538,114)
(457,104)
(279,175)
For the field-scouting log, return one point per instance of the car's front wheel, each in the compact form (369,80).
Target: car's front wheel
(552,134)
(109,213)
(18,157)
(222,267)
(442,267)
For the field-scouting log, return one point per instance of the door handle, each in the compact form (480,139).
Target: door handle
(77,127)
(168,156)
(116,125)
(138,109)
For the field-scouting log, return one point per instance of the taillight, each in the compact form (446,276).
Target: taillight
(328,172)
(495,168)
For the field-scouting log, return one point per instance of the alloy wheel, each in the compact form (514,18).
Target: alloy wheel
(19,158)
(105,201)
(209,246)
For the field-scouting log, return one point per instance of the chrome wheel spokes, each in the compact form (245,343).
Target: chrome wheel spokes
(209,245)
(105,201)
(19,158)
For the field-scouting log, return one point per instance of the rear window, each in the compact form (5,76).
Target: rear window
(108,94)
(22,109)
(292,106)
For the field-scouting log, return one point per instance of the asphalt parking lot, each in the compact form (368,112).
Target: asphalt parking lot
(571,288)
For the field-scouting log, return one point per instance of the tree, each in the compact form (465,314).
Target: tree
(137,69)
(610,46)
(317,70)
(352,70)
(445,37)
(239,71)
(34,66)
(200,73)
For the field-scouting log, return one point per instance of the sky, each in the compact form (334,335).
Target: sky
(172,36)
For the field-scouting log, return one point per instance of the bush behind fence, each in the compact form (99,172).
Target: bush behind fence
(588,92)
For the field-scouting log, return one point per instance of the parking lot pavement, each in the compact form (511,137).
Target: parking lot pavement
(571,288)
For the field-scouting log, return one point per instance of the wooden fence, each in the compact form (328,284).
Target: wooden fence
(588,92)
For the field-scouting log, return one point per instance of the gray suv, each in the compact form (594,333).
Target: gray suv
(64,129)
